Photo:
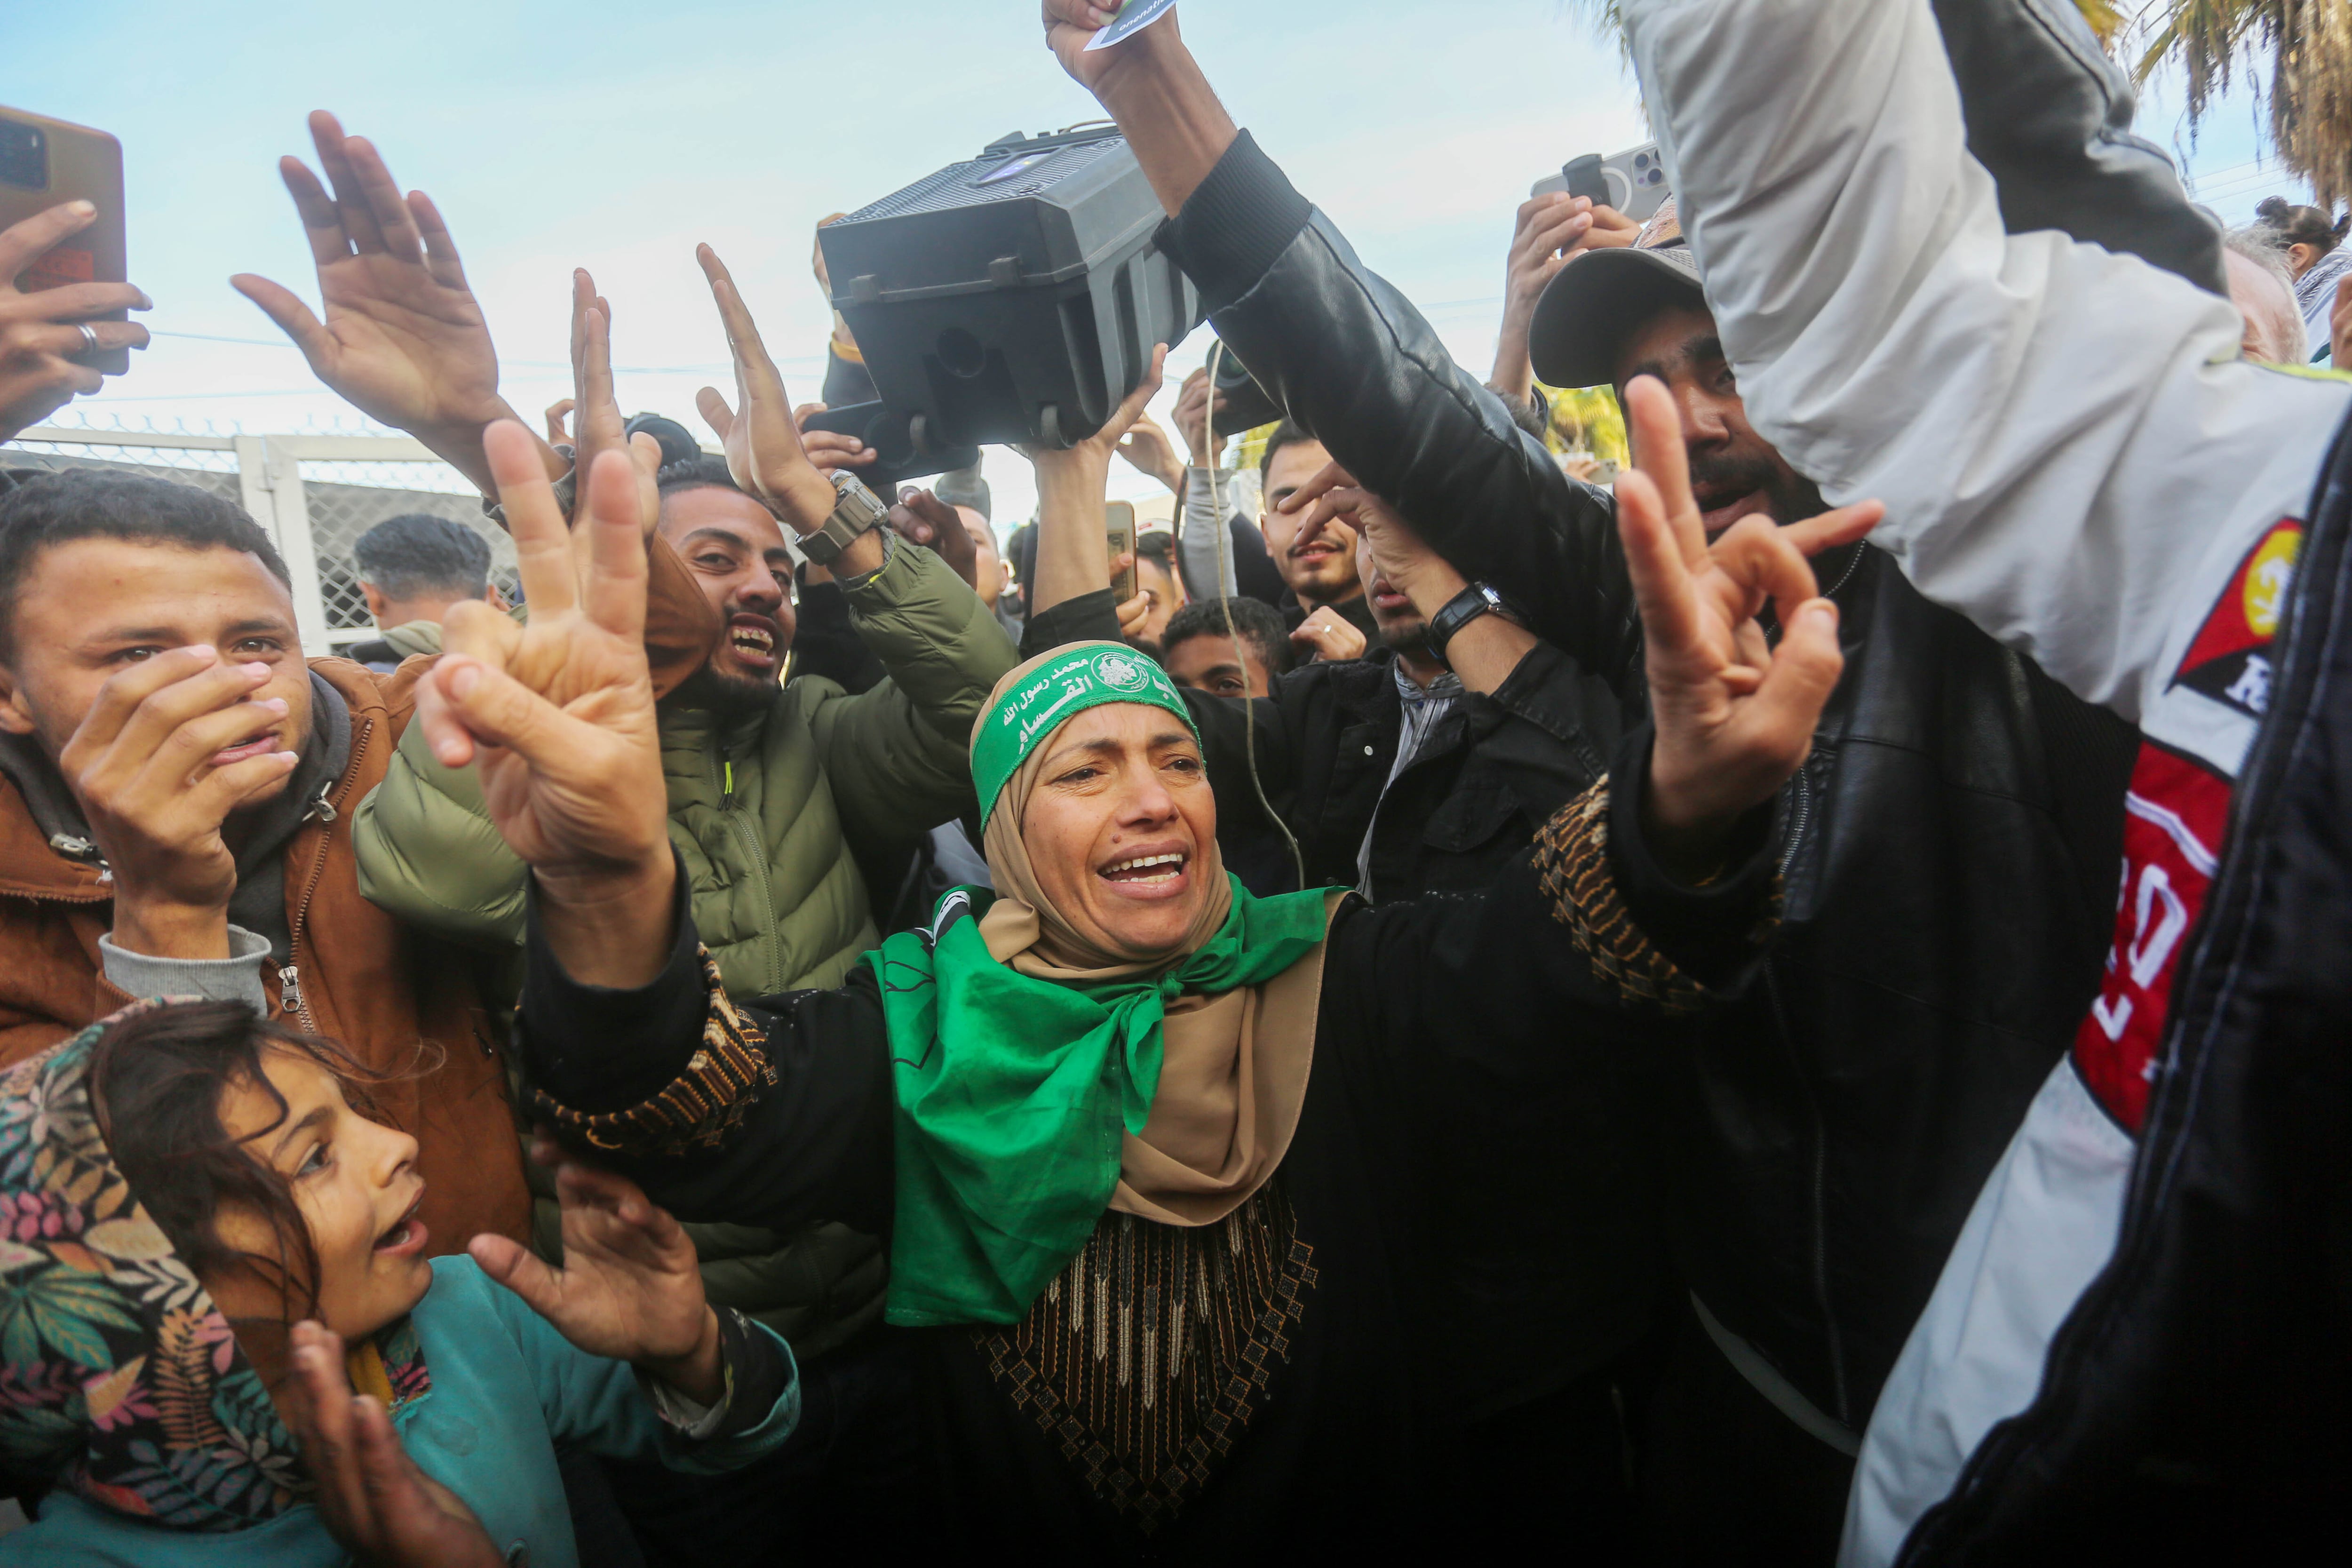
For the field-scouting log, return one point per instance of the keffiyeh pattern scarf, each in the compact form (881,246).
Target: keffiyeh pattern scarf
(120,1378)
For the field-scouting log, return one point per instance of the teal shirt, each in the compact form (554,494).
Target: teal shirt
(506,1389)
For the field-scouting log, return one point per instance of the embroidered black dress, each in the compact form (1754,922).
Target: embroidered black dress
(1242,1391)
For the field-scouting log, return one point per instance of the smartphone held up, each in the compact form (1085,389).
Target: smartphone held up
(44,163)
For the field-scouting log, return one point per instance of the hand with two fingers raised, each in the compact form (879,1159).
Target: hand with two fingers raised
(374,1500)
(175,743)
(41,329)
(1734,711)
(596,411)
(403,339)
(629,1288)
(559,716)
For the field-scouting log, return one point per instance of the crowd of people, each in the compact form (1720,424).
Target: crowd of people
(1787,1010)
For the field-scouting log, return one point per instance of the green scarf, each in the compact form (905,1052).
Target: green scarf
(1015,1095)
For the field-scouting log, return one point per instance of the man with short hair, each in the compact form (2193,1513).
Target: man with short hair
(412,568)
(1319,568)
(176,818)
(1199,654)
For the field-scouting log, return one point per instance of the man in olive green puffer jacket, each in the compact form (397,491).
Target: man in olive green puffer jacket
(772,791)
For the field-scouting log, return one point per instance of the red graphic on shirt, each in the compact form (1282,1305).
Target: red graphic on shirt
(2230,660)
(2172,837)
(2175,816)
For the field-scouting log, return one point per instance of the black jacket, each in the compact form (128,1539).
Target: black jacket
(1490,772)
(1949,849)
(2193,1405)
(1493,769)
(1348,1446)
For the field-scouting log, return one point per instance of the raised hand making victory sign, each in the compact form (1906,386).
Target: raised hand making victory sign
(1734,712)
(559,714)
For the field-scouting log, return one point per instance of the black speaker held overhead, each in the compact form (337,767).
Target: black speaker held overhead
(1015,296)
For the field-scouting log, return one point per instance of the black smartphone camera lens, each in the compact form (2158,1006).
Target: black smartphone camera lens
(24,156)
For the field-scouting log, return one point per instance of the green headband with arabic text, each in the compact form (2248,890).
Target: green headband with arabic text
(1065,684)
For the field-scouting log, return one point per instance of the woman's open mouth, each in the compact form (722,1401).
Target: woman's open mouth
(406,1237)
(1156,874)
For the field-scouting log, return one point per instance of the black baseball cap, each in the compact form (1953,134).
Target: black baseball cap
(1599,298)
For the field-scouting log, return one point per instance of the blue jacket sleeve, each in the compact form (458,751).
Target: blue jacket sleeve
(602,1406)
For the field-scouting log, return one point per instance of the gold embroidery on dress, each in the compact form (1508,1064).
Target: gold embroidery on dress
(1145,1359)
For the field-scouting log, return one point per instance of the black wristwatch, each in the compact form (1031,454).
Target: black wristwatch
(855,509)
(1459,611)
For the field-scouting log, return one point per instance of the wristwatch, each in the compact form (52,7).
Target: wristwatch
(1478,599)
(855,509)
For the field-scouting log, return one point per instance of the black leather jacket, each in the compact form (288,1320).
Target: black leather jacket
(1950,849)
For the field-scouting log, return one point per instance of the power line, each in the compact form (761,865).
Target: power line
(707,368)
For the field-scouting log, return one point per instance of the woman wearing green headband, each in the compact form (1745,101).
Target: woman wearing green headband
(1150,1152)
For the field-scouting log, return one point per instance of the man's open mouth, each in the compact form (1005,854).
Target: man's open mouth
(407,1234)
(1719,508)
(752,638)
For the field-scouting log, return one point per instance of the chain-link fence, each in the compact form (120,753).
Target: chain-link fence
(343,499)
(315,494)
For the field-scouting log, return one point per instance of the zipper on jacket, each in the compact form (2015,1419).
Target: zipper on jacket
(290,977)
(1817,1221)
(1800,812)
(746,829)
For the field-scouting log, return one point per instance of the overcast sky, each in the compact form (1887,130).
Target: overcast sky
(615,137)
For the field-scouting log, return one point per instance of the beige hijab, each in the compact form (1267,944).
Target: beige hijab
(1234,1069)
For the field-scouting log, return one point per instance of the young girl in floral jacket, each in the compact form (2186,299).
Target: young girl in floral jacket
(206,1246)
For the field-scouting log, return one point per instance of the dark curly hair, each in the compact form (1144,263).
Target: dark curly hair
(698,473)
(158,1077)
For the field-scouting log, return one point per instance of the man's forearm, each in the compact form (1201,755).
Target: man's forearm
(161,928)
(1515,372)
(1483,653)
(460,447)
(609,929)
(1169,113)
(1072,550)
